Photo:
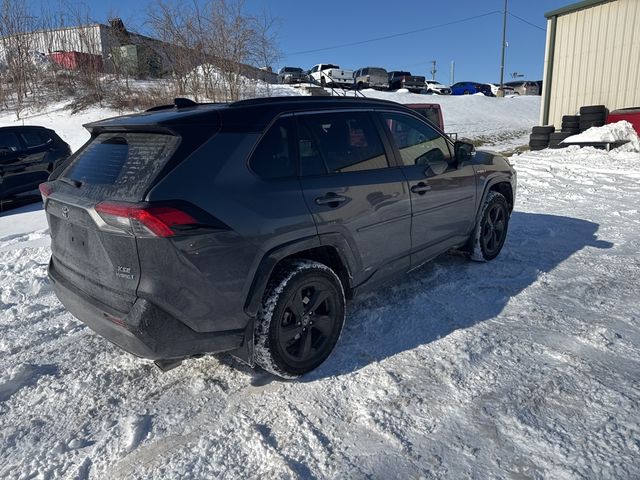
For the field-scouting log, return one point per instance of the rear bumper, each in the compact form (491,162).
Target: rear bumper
(146,330)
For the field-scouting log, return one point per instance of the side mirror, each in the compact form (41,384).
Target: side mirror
(464,151)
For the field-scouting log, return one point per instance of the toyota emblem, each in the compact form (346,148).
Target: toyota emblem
(65,212)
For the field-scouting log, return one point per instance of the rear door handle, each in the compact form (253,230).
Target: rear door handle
(421,188)
(331,199)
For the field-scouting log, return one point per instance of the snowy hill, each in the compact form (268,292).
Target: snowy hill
(502,122)
(524,367)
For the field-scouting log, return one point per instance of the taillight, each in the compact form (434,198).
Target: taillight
(144,220)
(404,79)
(45,190)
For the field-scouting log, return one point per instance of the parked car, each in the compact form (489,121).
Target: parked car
(524,87)
(330,75)
(400,79)
(291,75)
(169,255)
(495,87)
(430,111)
(370,77)
(28,154)
(431,86)
(470,88)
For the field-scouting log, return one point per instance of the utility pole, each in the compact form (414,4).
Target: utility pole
(433,70)
(452,73)
(504,44)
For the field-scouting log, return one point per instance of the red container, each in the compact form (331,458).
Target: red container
(631,115)
(77,60)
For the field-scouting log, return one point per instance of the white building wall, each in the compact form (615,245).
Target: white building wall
(596,59)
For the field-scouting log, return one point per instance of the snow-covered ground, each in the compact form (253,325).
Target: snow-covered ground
(527,367)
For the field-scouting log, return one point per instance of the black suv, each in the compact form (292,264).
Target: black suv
(27,156)
(243,227)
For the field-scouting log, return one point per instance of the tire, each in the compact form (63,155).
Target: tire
(534,147)
(488,239)
(538,138)
(593,109)
(556,138)
(538,145)
(545,130)
(571,130)
(286,341)
(466,92)
(590,118)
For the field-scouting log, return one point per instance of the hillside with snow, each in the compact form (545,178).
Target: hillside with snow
(527,367)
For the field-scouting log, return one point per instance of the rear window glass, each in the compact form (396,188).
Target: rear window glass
(122,162)
(377,71)
(33,138)
(10,140)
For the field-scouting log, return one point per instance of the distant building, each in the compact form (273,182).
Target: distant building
(112,48)
(592,57)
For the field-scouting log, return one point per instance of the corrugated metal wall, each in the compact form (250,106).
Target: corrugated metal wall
(596,59)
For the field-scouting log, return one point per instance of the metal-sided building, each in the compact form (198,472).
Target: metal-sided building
(592,57)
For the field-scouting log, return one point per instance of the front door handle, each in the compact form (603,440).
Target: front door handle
(421,188)
(331,199)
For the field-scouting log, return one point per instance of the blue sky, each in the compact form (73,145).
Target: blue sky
(473,45)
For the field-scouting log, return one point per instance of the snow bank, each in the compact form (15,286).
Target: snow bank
(523,367)
(612,132)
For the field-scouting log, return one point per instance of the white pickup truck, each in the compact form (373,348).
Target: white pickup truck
(330,75)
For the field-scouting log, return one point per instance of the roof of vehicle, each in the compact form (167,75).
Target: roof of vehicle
(24,127)
(250,115)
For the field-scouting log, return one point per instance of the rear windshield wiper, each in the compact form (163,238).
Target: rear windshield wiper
(71,181)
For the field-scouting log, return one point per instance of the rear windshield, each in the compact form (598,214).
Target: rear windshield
(121,165)
(377,71)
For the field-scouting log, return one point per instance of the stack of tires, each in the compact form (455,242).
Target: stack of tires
(539,138)
(592,116)
(571,124)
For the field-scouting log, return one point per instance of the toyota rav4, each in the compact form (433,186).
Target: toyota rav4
(244,227)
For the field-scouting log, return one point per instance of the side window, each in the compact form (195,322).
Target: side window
(33,138)
(10,140)
(418,143)
(272,157)
(339,142)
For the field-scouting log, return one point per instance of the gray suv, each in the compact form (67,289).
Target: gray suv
(371,77)
(244,227)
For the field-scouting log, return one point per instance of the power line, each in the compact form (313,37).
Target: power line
(527,22)
(395,35)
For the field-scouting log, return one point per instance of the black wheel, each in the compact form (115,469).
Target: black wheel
(300,320)
(466,92)
(491,229)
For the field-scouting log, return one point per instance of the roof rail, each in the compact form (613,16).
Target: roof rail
(304,98)
(178,103)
